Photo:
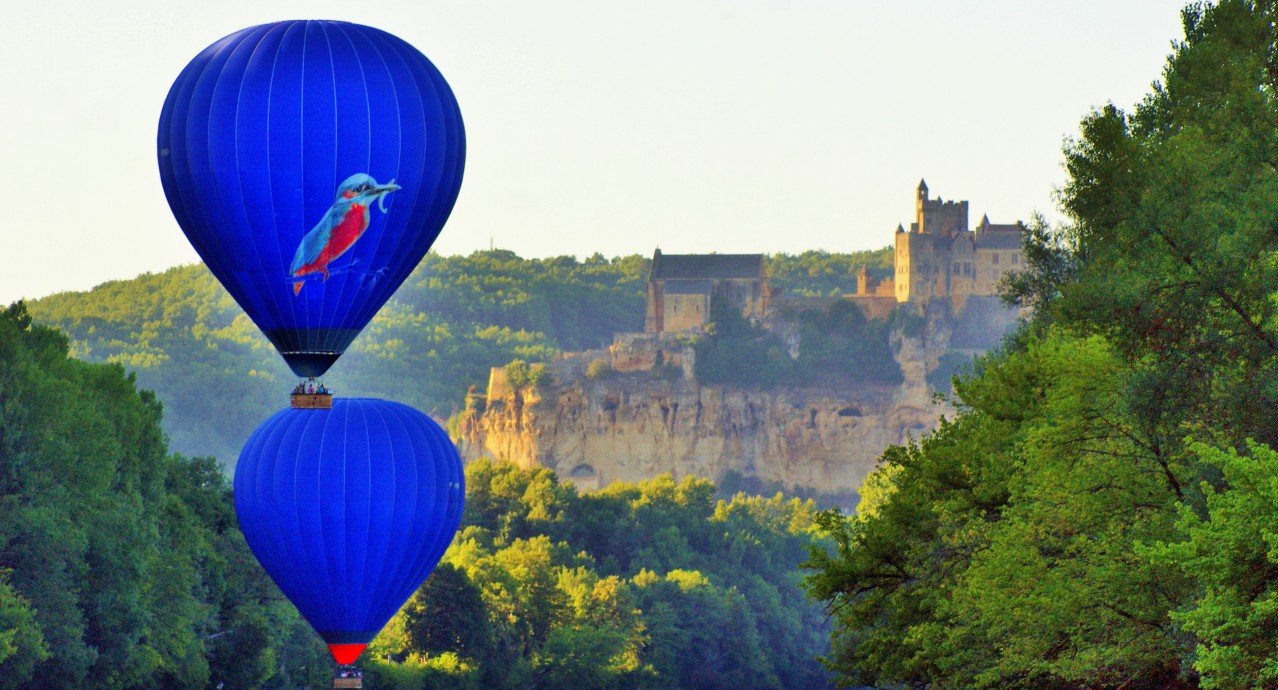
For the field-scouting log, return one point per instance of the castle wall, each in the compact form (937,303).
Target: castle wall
(652,317)
(993,265)
(749,296)
(936,217)
(988,273)
(920,273)
(498,385)
(885,288)
(961,268)
(874,306)
(685,312)
(646,351)
(901,262)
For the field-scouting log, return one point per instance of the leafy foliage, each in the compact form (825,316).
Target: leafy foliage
(1231,552)
(817,273)
(653,585)
(124,567)
(1061,532)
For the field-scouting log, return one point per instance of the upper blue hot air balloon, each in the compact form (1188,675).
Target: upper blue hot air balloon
(311,164)
(348,510)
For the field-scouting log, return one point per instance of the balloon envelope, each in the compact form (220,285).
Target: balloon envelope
(311,164)
(349,510)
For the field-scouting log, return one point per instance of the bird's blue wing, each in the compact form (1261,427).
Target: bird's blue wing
(314,242)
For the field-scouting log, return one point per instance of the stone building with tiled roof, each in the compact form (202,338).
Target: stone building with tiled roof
(940,257)
(682,286)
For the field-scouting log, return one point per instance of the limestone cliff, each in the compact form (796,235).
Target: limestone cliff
(595,430)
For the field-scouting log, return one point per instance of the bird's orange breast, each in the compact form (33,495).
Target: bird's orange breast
(353,224)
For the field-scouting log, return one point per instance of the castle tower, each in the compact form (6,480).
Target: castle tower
(923,261)
(915,265)
(940,257)
(920,206)
(937,216)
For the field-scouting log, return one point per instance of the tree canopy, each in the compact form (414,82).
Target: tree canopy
(121,566)
(652,585)
(1099,512)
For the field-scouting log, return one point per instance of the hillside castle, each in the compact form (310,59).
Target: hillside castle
(680,287)
(636,409)
(938,257)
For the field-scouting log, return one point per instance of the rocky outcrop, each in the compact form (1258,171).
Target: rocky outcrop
(594,430)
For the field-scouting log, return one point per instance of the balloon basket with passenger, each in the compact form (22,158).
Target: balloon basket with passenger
(309,395)
(348,676)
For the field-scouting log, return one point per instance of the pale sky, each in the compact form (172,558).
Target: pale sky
(592,125)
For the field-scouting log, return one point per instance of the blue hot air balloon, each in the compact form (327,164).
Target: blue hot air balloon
(311,164)
(349,509)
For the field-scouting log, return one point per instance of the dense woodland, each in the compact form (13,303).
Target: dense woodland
(1102,512)
(122,566)
(454,318)
(650,585)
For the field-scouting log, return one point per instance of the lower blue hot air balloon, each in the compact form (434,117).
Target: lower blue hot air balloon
(349,509)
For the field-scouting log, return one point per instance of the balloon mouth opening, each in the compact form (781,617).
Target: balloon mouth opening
(346,653)
(309,352)
(310,364)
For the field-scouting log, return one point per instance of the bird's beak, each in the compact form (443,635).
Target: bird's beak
(380,193)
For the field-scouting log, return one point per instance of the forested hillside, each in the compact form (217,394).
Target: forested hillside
(453,319)
(122,566)
(649,585)
(1103,512)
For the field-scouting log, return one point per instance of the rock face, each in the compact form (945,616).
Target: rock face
(631,426)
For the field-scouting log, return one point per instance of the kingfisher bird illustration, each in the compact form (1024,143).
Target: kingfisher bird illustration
(340,227)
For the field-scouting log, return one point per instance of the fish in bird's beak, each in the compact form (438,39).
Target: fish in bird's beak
(380,193)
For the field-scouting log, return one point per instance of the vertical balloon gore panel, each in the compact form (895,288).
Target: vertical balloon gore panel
(348,510)
(311,164)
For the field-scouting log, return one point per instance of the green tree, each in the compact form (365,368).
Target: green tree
(126,567)
(1004,553)
(1231,552)
(565,586)
(447,614)
(21,642)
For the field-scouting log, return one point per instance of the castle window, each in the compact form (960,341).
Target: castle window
(1016,258)
(956,268)
(995,258)
(967,269)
